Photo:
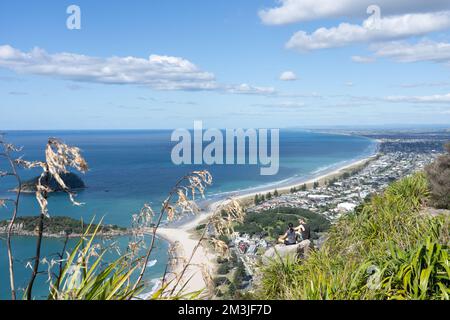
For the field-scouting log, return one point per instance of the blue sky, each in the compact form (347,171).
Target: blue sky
(221,62)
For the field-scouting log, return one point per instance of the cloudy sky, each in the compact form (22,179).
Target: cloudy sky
(234,63)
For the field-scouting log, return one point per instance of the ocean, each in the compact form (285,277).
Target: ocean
(130,168)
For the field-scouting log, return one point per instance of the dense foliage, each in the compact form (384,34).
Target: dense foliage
(274,222)
(390,249)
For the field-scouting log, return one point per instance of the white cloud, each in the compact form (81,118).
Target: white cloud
(424,50)
(288,76)
(157,72)
(437,98)
(290,105)
(249,89)
(349,84)
(424,84)
(282,105)
(18,93)
(385,29)
(361,59)
(291,11)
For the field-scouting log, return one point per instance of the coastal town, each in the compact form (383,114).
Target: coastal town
(339,196)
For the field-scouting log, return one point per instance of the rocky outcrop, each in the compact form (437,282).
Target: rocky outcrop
(72,181)
(283,252)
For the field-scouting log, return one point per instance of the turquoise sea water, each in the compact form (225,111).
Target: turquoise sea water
(130,168)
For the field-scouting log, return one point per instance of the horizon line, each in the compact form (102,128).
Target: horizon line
(329,127)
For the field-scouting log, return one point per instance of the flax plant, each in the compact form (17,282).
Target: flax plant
(58,158)
(82,280)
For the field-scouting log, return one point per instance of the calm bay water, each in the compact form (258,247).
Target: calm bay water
(130,168)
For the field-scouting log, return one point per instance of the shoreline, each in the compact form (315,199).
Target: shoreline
(184,233)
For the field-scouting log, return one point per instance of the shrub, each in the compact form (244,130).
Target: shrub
(218,281)
(221,260)
(200,227)
(223,269)
(239,275)
(438,174)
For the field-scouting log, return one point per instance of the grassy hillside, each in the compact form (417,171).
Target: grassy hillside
(388,249)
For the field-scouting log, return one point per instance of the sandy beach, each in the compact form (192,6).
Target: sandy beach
(187,238)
